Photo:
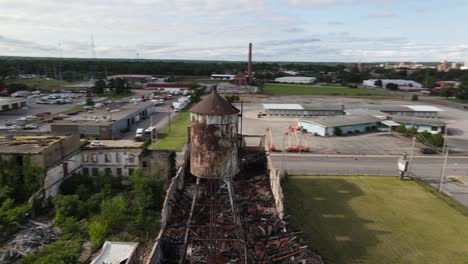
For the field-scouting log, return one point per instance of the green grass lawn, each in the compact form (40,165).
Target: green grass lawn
(357,219)
(296,89)
(43,84)
(176,138)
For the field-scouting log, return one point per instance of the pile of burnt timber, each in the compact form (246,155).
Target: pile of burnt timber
(266,237)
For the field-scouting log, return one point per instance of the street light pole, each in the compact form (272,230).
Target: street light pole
(444,166)
(169,117)
(282,155)
(412,154)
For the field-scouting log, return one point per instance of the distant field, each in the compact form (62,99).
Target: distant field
(176,138)
(43,84)
(369,220)
(296,89)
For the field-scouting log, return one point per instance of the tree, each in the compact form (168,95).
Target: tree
(392,86)
(99,86)
(338,132)
(89,101)
(401,129)
(61,252)
(11,214)
(68,206)
(147,193)
(113,214)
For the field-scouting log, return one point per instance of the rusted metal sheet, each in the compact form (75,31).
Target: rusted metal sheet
(214,145)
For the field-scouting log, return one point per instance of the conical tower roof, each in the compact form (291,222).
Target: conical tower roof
(214,104)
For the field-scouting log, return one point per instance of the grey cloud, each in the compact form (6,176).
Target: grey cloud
(24,44)
(380,15)
(290,41)
(338,23)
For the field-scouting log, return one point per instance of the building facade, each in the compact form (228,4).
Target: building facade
(118,158)
(339,125)
(57,156)
(303,110)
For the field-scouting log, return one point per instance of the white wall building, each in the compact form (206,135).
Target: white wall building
(222,77)
(296,79)
(113,157)
(400,83)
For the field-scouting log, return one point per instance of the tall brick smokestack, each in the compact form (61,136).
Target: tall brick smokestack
(249,66)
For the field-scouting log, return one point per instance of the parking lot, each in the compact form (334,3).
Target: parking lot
(365,144)
(34,108)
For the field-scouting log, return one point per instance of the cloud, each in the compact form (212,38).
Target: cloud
(324,3)
(384,14)
(320,3)
(337,23)
(301,41)
(18,44)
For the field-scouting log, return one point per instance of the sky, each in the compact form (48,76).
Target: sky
(280,30)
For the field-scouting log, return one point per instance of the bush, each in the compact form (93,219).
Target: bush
(414,97)
(113,214)
(401,129)
(61,251)
(338,132)
(68,206)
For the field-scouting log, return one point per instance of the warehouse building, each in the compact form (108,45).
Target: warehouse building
(228,77)
(303,110)
(434,126)
(296,79)
(110,123)
(424,111)
(9,103)
(339,125)
(385,82)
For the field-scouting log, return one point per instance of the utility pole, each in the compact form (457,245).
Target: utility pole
(412,154)
(169,117)
(282,155)
(444,166)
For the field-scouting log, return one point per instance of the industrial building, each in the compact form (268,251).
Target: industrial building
(112,157)
(339,125)
(431,125)
(9,103)
(109,123)
(303,110)
(57,156)
(226,77)
(296,79)
(170,87)
(402,84)
(424,111)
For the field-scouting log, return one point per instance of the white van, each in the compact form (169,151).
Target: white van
(139,132)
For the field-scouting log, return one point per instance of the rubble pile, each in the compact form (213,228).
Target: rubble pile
(268,237)
(265,237)
(27,241)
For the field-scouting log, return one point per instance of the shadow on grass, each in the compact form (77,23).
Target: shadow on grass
(321,209)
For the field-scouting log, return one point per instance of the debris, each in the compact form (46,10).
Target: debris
(27,241)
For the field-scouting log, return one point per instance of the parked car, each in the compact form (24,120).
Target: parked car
(73,113)
(57,118)
(31,117)
(31,126)
(428,151)
(10,123)
(42,101)
(96,143)
(42,114)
